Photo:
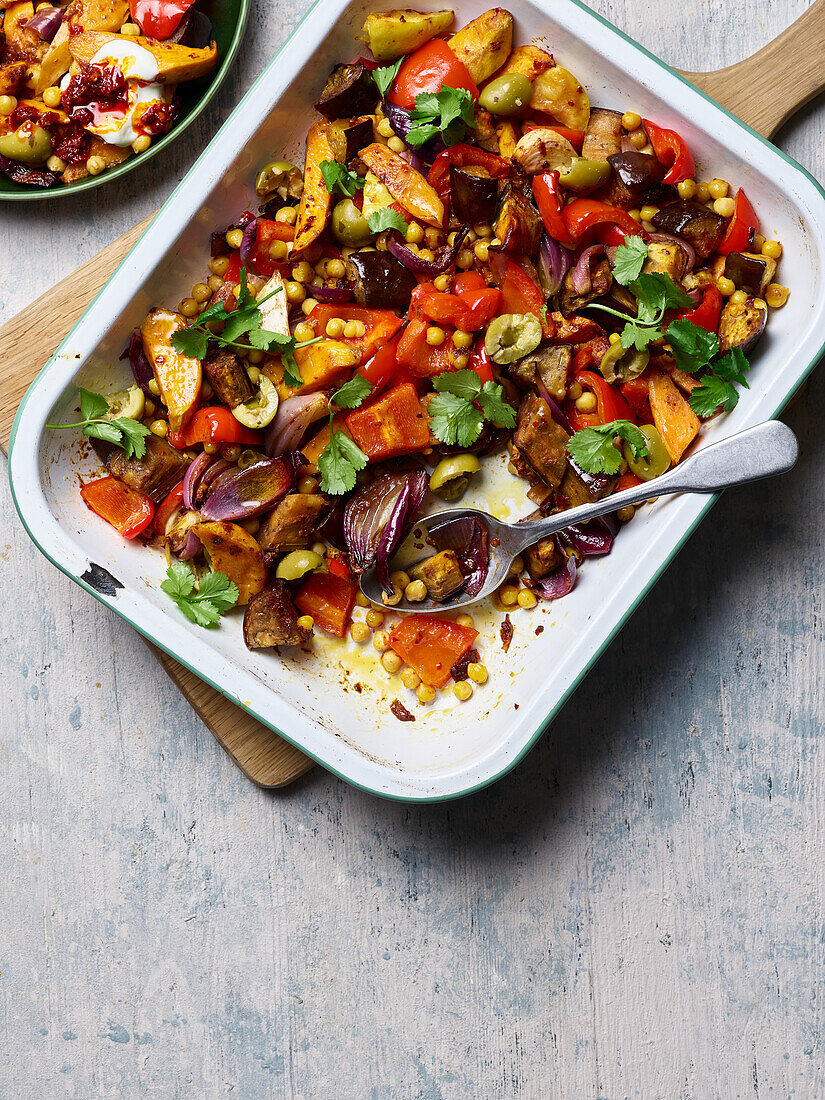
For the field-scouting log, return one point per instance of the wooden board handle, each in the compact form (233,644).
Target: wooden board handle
(765,89)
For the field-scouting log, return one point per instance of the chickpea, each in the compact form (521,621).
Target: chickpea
(718,189)
(215,282)
(307,485)
(153,387)
(211,448)
(426,254)
(462,690)
(635,214)
(234,238)
(319,548)
(51,97)
(391,662)
(725,286)
(361,600)
(219,265)
(686,189)
(648,213)
(336,269)
(702,192)
(435,336)
(772,249)
(464,259)
(302,272)
(8,105)
(631,120)
(354,330)
(159,428)
(201,292)
(738,298)
(394,599)
(477,672)
(381,640)
(374,619)
(295,293)
(278,250)
(465,620)
(55,164)
(95,165)
(141,143)
(723,207)
(416,591)
(776,296)
(508,594)
(442,283)
(359,632)
(385,129)
(516,566)
(433,237)
(252,526)
(626,514)
(188,307)
(526,599)
(638,138)
(575,391)
(462,339)
(410,679)
(132,29)
(481,250)
(587,402)
(461,360)
(287,214)
(335,327)
(307,307)
(414,234)
(303,331)
(425,693)
(305,622)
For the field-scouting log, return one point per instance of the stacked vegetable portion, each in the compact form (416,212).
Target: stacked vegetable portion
(472,262)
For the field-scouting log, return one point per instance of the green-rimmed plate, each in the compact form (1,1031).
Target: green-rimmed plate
(228,24)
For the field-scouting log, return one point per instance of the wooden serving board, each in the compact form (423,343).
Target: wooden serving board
(29,339)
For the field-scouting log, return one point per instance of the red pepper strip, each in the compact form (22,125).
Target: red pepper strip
(158,18)
(549,201)
(167,508)
(741,227)
(610,405)
(422,360)
(464,156)
(480,363)
(338,567)
(582,215)
(672,151)
(611,235)
(266,234)
(380,370)
(520,293)
(636,394)
(431,646)
(128,511)
(395,424)
(707,313)
(575,137)
(214,424)
(627,481)
(428,70)
(329,600)
(468,310)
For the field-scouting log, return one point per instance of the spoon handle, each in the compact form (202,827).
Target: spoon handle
(766,449)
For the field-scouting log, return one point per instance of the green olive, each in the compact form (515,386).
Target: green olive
(29,147)
(621,364)
(125,403)
(507,94)
(282,177)
(584,174)
(259,410)
(294,565)
(657,460)
(349,226)
(450,478)
(512,336)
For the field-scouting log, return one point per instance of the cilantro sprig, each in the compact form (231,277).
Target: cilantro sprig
(342,458)
(718,387)
(462,404)
(594,451)
(205,604)
(384,76)
(244,320)
(338,177)
(447,113)
(124,432)
(386,218)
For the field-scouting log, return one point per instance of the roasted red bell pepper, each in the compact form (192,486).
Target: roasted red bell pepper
(627,481)
(380,324)
(575,137)
(214,424)
(338,566)
(128,511)
(382,368)
(395,424)
(708,312)
(428,70)
(469,307)
(158,18)
(582,215)
(610,405)
(420,358)
(166,509)
(575,329)
(464,156)
(636,394)
(741,228)
(551,205)
(267,233)
(672,151)
(520,293)
(431,646)
(481,364)
(329,599)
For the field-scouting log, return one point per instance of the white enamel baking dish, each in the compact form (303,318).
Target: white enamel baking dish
(337,708)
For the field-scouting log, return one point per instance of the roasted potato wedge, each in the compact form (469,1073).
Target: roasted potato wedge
(544,150)
(97,15)
(675,420)
(557,93)
(507,138)
(404,184)
(55,62)
(11,77)
(175,63)
(316,202)
(178,376)
(485,43)
(234,552)
(530,61)
(22,43)
(320,366)
(391,34)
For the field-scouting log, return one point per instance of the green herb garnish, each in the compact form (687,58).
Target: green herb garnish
(124,432)
(448,113)
(461,405)
(342,458)
(384,76)
(718,387)
(386,218)
(214,595)
(338,177)
(594,451)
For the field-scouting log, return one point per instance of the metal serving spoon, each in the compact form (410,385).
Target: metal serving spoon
(761,451)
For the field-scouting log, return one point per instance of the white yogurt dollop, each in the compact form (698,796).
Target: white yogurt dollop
(116,127)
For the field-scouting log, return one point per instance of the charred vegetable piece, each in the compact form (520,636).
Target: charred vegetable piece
(177,375)
(391,34)
(228,378)
(349,137)
(750,273)
(551,364)
(741,326)
(517,225)
(251,491)
(234,552)
(578,487)
(161,468)
(637,170)
(380,281)
(702,228)
(280,178)
(540,440)
(598,281)
(544,150)
(484,44)
(316,201)
(674,419)
(666,258)
(474,195)
(349,90)
(292,523)
(441,573)
(484,131)
(530,61)
(404,183)
(603,136)
(543,558)
(271,618)
(559,94)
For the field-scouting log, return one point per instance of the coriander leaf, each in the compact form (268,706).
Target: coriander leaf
(245,297)
(713,392)
(495,408)
(352,393)
(386,218)
(629,260)
(205,606)
(92,405)
(656,293)
(693,347)
(454,420)
(338,464)
(462,383)
(449,112)
(594,451)
(134,434)
(338,176)
(192,341)
(635,336)
(421,133)
(384,76)
(240,321)
(215,312)
(103,429)
(263,339)
(732,367)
